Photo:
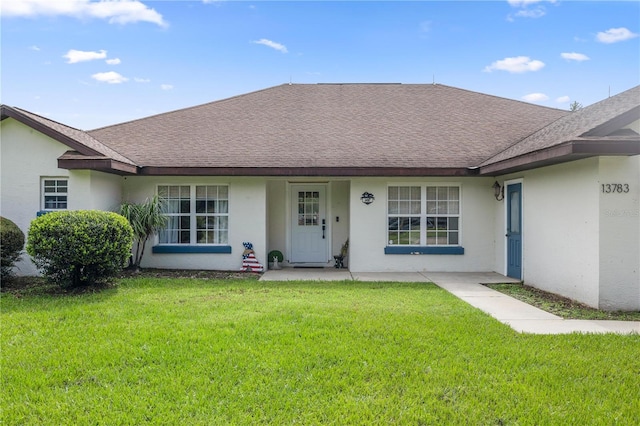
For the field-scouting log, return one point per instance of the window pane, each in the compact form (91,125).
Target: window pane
(454,193)
(393,207)
(453,238)
(454,207)
(415,207)
(442,207)
(393,193)
(443,193)
(431,193)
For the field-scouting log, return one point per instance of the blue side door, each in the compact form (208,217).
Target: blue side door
(514,230)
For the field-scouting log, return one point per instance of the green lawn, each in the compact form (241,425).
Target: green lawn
(225,352)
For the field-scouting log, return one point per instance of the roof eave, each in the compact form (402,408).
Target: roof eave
(8,111)
(307,171)
(101,164)
(568,151)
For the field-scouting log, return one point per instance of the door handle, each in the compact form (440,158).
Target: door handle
(323,227)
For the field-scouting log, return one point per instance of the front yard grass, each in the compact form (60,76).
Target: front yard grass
(238,352)
(561,306)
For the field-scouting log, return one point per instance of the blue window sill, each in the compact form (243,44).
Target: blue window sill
(423,250)
(180,248)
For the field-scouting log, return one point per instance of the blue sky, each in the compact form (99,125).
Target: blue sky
(89,64)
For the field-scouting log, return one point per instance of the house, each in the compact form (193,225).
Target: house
(418,177)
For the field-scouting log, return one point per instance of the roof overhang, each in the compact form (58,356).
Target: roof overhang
(72,160)
(9,112)
(307,171)
(568,151)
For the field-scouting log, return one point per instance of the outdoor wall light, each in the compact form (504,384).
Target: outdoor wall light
(367,198)
(498,191)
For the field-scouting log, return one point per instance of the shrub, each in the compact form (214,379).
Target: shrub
(146,219)
(11,244)
(82,247)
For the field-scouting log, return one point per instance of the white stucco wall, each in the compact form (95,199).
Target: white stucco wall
(26,156)
(247,212)
(560,229)
(368,229)
(619,233)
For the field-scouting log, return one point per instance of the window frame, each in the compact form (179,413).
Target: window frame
(193,246)
(44,193)
(422,246)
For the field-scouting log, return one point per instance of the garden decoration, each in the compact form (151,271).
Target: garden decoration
(249,261)
(339,259)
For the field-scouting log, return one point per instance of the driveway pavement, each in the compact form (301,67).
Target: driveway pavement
(469,287)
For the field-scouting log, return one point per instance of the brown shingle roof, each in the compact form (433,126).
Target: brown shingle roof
(586,124)
(74,138)
(332,126)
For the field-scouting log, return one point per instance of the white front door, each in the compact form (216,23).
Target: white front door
(309,230)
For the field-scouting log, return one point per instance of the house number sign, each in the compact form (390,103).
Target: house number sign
(615,188)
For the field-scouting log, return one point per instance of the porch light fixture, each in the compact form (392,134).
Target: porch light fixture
(498,191)
(367,198)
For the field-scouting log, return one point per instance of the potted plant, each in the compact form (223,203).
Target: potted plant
(275,258)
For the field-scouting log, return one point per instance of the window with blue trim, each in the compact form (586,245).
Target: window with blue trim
(54,193)
(426,215)
(197,214)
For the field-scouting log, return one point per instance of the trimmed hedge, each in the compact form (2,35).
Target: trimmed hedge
(11,245)
(81,247)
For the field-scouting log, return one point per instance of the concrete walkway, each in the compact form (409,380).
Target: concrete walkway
(518,315)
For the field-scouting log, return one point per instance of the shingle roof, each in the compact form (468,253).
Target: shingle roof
(74,138)
(332,126)
(581,125)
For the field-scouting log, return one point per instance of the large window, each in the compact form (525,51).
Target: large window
(423,215)
(54,193)
(198,214)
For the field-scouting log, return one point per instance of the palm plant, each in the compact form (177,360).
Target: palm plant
(146,219)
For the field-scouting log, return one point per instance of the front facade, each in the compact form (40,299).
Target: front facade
(407,195)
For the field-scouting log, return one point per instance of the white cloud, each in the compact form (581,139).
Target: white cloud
(113,11)
(114,61)
(535,97)
(75,56)
(272,44)
(563,99)
(141,80)
(521,3)
(110,77)
(614,35)
(519,64)
(34,47)
(166,86)
(538,12)
(425,26)
(573,56)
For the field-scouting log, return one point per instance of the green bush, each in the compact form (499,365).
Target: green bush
(11,244)
(82,247)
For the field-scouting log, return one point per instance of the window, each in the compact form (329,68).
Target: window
(54,193)
(197,214)
(423,215)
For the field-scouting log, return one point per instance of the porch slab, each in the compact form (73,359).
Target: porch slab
(390,276)
(306,274)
